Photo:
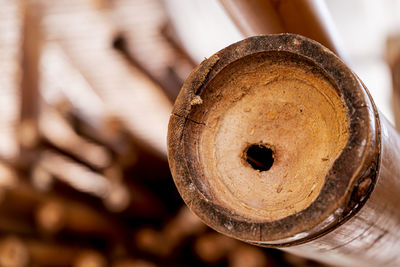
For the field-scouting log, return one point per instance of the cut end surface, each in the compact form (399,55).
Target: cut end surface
(265,155)
(281,103)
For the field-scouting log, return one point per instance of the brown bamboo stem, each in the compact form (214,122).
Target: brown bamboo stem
(393,60)
(28,128)
(276,142)
(54,215)
(19,252)
(163,242)
(57,130)
(303,17)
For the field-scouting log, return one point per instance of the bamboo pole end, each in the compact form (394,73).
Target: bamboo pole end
(267,137)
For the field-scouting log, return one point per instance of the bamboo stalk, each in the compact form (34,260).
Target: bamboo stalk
(144,44)
(127,92)
(164,242)
(305,17)
(29,107)
(276,142)
(18,252)
(213,247)
(60,133)
(113,192)
(393,60)
(133,263)
(53,214)
(11,24)
(116,194)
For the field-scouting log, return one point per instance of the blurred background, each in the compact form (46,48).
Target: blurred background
(86,89)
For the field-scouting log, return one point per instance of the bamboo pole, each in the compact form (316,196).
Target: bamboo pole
(276,142)
(57,130)
(53,215)
(393,60)
(163,242)
(29,106)
(11,46)
(306,17)
(18,252)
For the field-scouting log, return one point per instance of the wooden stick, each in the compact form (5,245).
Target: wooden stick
(162,243)
(393,60)
(305,17)
(249,256)
(19,252)
(133,263)
(29,106)
(144,44)
(53,215)
(60,133)
(144,112)
(11,39)
(276,142)
(213,247)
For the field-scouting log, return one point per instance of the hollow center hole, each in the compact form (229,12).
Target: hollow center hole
(260,157)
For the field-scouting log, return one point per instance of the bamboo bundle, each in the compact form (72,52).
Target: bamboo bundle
(276,142)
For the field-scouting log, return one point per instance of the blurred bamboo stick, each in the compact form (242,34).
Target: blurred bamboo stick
(71,97)
(163,242)
(17,252)
(11,37)
(54,214)
(133,263)
(393,60)
(28,129)
(77,175)
(309,18)
(111,189)
(126,90)
(143,41)
(59,132)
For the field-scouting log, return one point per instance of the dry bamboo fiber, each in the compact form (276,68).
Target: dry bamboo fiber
(276,142)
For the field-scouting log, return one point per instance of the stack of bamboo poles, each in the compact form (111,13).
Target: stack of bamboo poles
(86,90)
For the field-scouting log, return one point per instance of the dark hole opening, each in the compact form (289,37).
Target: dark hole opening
(119,43)
(260,157)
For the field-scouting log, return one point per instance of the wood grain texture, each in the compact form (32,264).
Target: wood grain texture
(352,217)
